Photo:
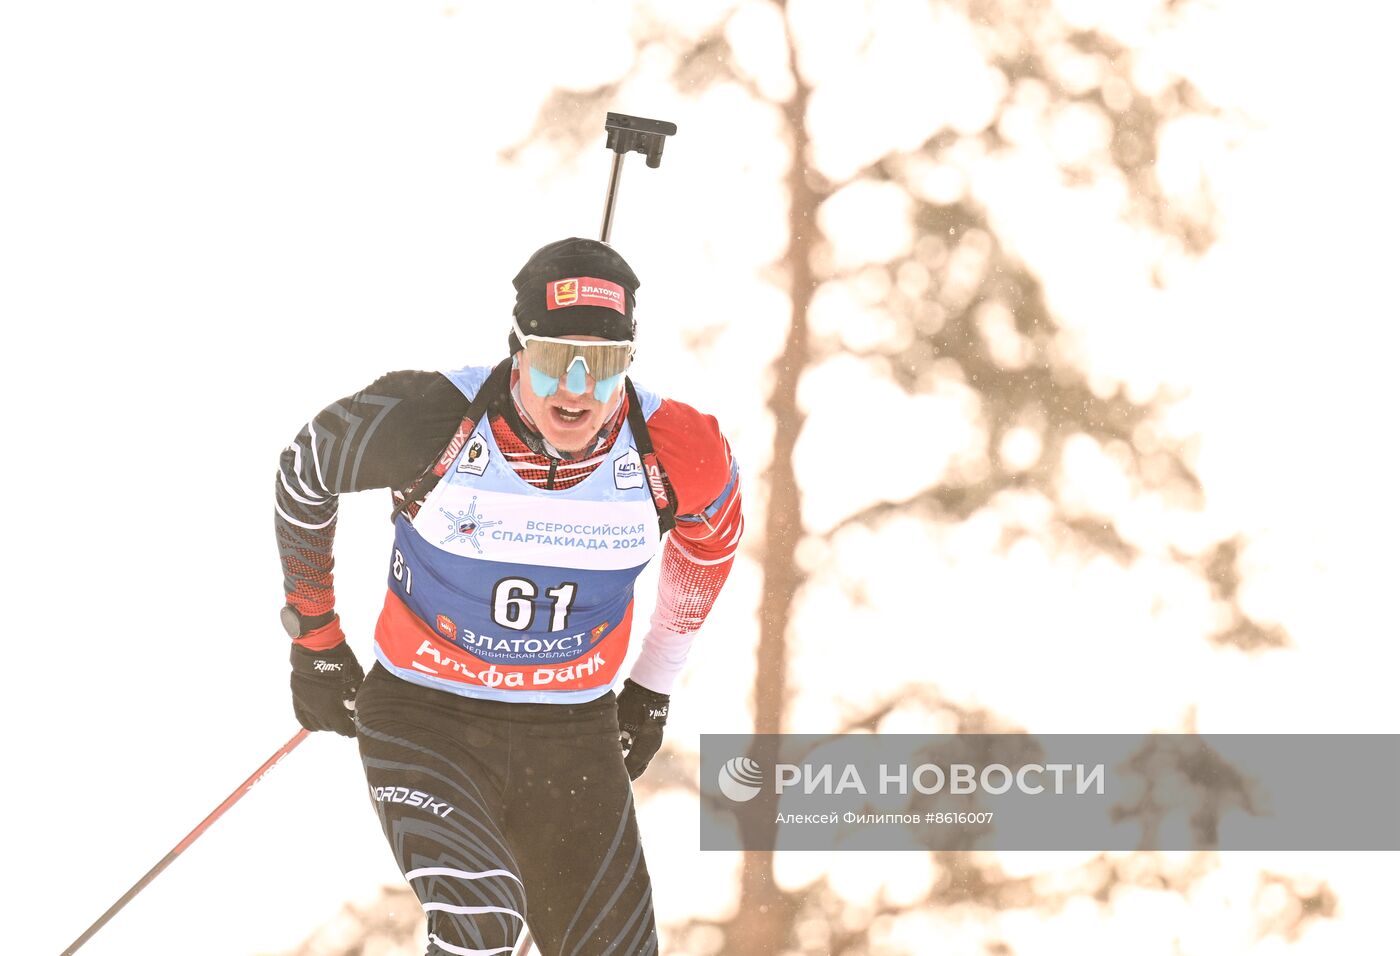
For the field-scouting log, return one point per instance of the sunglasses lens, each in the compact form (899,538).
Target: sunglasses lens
(604,359)
(549,358)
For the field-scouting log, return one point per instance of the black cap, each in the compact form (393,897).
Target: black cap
(576,287)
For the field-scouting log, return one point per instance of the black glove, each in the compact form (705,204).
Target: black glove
(324,684)
(641,715)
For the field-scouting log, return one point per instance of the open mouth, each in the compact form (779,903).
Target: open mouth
(569,416)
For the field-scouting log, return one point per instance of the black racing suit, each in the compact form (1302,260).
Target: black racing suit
(481,800)
(497,813)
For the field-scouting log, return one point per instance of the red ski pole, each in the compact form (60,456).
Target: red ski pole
(180,847)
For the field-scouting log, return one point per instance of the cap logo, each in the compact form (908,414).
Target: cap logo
(562,293)
(586,290)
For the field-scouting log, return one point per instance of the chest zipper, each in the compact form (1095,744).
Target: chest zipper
(549,482)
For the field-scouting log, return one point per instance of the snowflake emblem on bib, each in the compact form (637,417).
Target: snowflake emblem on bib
(466,526)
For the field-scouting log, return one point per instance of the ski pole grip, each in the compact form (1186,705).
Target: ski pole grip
(637,134)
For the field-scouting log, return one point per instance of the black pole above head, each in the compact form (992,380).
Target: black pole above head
(637,134)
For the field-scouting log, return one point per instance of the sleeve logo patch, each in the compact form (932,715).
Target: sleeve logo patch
(586,290)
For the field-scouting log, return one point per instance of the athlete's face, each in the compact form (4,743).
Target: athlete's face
(568,420)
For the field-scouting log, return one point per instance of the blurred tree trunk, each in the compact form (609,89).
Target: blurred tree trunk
(764,921)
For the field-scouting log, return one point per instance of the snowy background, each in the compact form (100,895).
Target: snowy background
(217,218)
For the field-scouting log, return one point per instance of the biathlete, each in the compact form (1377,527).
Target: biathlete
(527,498)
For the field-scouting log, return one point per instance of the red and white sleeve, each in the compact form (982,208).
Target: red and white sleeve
(699,553)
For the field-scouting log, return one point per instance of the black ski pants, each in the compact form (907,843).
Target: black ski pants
(501,814)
